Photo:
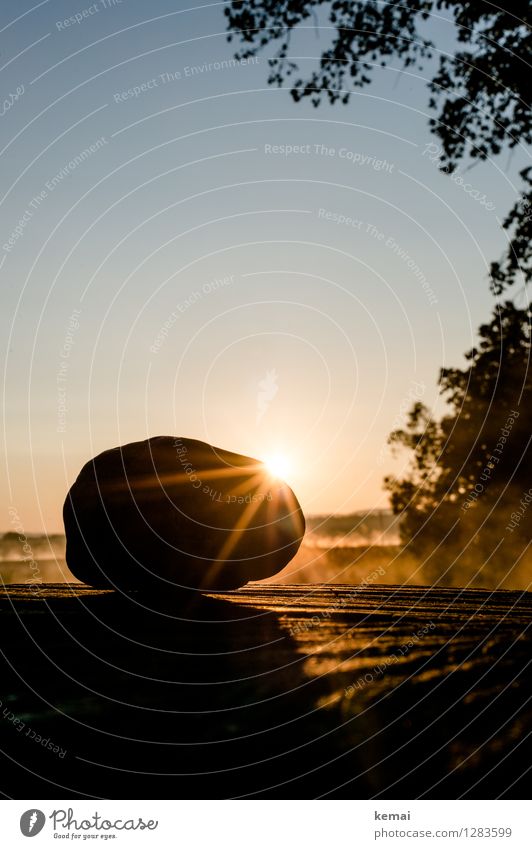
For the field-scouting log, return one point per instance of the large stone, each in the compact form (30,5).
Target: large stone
(174,512)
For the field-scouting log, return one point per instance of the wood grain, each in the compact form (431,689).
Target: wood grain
(272,691)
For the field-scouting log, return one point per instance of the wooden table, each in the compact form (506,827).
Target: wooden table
(297,691)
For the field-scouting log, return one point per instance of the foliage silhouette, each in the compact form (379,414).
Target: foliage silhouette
(480,91)
(467,488)
(479,96)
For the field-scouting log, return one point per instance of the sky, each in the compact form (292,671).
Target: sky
(187,251)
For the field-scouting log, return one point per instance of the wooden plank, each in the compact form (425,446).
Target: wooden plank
(290,691)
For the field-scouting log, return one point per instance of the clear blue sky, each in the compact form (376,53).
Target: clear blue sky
(113,329)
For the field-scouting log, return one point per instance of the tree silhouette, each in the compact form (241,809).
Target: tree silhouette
(479,92)
(465,497)
(518,258)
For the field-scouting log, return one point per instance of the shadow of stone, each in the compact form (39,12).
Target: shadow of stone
(243,694)
(155,698)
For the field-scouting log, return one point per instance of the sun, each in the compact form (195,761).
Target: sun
(278,465)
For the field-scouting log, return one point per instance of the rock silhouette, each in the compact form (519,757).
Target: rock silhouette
(170,513)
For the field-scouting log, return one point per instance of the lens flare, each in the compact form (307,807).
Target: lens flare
(278,465)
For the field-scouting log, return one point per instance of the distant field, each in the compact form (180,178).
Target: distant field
(311,565)
(49,572)
(333,544)
(391,564)
(339,555)
(347,565)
